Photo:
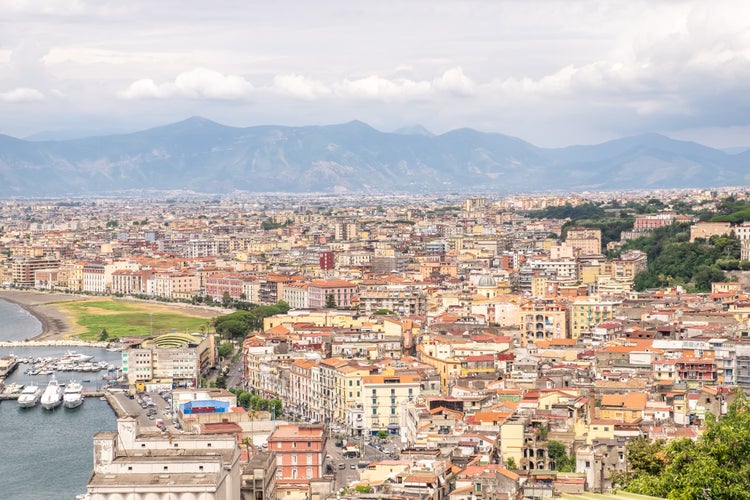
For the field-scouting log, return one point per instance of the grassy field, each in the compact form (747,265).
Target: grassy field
(130,319)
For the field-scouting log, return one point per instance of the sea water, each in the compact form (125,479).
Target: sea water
(48,454)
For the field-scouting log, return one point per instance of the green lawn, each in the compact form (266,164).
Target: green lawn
(130,319)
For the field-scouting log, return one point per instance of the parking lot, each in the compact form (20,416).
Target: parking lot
(151,409)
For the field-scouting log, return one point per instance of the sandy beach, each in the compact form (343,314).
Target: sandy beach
(57,323)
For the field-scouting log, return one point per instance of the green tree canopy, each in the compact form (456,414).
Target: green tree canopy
(226,349)
(717,465)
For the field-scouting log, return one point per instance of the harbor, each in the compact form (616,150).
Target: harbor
(62,438)
(70,361)
(13,395)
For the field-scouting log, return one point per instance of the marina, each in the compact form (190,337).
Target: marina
(62,438)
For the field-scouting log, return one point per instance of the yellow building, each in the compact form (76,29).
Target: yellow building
(587,312)
(384,399)
(542,320)
(512,439)
(350,387)
(626,408)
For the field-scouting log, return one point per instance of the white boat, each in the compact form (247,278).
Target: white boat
(73,395)
(30,396)
(53,394)
(76,357)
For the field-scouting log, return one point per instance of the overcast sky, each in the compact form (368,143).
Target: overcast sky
(551,72)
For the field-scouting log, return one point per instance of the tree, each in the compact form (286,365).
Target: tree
(330,301)
(559,453)
(510,463)
(382,434)
(275,407)
(226,349)
(221,382)
(103,335)
(226,299)
(717,465)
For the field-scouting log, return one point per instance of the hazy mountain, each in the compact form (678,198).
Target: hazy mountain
(414,130)
(204,156)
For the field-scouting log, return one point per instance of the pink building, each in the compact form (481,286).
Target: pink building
(300,454)
(342,291)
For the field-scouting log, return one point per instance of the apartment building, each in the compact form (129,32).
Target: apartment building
(319,292)
(542,320)
(217,285)
(384,399)
(402,299)
(93,278)
(587,312)
(300,456)
(584,240)
(23,270)
(170,284)
(127,282)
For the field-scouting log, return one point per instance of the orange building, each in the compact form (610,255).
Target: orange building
(300,454)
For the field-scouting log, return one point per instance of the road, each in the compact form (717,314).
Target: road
(235,378)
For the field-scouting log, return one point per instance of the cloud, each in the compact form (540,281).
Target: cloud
(377,87)
(300,86)
(455,82)
(199,83)
(21,94)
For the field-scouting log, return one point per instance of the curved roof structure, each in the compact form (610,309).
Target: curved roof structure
(173,340)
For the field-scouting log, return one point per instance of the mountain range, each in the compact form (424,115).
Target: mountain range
(203,156)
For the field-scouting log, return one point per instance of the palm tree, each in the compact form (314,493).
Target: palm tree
(252,413)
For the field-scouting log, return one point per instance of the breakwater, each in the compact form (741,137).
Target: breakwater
(53,343)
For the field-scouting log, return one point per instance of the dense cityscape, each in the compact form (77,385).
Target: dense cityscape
(402,347)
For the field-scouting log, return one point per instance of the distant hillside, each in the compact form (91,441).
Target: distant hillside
(203,156)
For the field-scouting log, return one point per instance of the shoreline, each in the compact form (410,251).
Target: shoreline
(57,324)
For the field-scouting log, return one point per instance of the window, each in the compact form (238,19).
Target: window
(309,444)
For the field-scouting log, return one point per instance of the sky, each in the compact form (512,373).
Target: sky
(553,73)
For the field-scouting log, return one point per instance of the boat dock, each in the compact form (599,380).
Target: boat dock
(4,396)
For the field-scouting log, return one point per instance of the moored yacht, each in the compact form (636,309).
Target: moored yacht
(53,394)
(73,395)
(29,397)
(76,357)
